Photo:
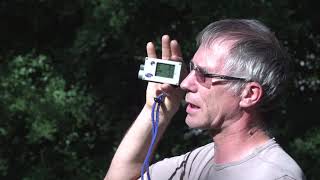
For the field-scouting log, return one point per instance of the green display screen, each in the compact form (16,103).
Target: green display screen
(165,70)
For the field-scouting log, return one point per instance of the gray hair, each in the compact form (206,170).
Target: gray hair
(256,54)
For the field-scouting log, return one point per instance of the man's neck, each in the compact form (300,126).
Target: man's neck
(237,141)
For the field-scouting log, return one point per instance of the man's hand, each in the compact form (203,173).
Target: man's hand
(129,157)
(170,51)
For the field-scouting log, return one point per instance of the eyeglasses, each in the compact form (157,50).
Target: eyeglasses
(202,74)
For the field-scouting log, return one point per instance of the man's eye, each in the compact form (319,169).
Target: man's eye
(202,71)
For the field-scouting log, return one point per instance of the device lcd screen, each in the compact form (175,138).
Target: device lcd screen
(165,70)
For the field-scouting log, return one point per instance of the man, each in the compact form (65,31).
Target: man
(236,78)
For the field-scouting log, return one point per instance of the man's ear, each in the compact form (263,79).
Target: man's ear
(251,94)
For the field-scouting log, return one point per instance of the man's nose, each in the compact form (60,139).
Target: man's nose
(188,84)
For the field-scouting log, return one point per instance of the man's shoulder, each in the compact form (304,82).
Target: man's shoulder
(207,148)
(277,160)
(178,167)
(199,155)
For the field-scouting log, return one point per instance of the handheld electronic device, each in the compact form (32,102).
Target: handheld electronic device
(159,70)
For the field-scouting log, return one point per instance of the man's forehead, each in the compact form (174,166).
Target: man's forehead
(213,56)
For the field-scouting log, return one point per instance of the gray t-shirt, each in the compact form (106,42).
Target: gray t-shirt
(268,162)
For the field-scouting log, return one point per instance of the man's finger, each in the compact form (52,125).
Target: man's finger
(151,50)
(166,50)
(175,50)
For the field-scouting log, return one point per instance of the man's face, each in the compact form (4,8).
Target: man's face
(210,104)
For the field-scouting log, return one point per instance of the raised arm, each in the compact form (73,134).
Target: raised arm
(133,148)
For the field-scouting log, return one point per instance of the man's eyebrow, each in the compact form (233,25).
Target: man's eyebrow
(201,68)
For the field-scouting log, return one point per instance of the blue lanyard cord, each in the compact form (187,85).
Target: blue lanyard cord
(155,122)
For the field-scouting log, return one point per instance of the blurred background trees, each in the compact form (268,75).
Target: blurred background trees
(69,87)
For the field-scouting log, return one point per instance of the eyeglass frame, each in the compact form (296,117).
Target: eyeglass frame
(204,73)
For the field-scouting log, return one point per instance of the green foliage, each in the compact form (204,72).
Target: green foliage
(39,109)
(306,149)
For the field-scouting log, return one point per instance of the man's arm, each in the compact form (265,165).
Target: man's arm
(133,148)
